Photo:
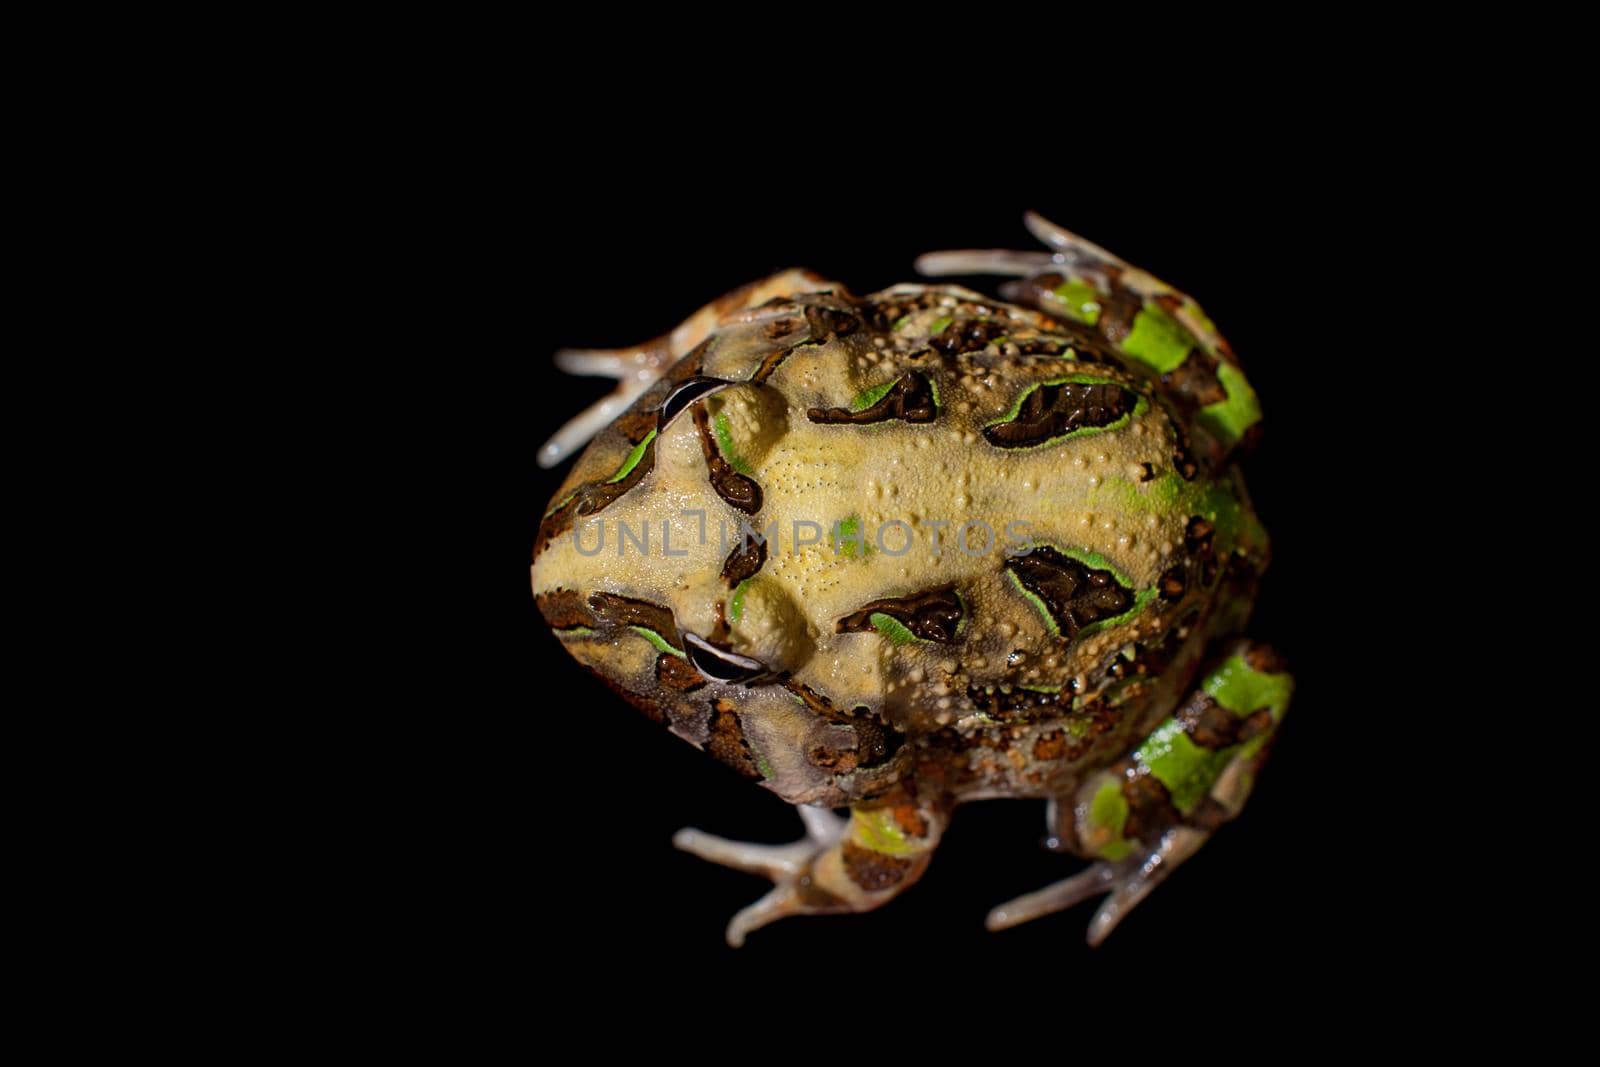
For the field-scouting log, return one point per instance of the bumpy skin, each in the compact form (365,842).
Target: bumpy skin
(1085,653)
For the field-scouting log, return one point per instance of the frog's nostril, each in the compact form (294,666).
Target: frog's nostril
(721,664)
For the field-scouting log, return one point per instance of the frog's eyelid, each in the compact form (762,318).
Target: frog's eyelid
(721,664)
(684,395)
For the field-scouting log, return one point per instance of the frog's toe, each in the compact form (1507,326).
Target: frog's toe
(823,829)
(1125,884)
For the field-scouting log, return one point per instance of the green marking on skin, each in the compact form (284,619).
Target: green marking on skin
(892,628)
(659,641)
(1038,604)
(1080,301)
(933,387)
(940,325)
(723,432)
(1170,494)
(1108,812)
(878,831)
(900,322)
(1041,688)
(563,502)
(1242,689)
(763,766)
(1157,340)
(1229,419)
(736,605)
(868,397)
(576,631)
(1078,728)
(1186,769)
(846,533)
(633,459)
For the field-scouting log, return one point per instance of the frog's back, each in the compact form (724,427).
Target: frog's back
(986,543)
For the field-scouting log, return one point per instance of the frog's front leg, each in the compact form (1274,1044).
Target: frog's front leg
(841,865)
(637,368)
(1145,815)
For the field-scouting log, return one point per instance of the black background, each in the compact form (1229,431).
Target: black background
(572,797)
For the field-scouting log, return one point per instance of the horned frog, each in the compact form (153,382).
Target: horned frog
(897,552)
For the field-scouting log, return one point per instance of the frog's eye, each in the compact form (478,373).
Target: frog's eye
(697,388)
(721,664)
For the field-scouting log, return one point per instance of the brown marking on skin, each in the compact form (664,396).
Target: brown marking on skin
(1117,312)
(1075,594)
(1183,462)
(720,634)
(1146,471)
(1197,537)
(771,363)
(593,497)
(1266,659)
(1052,411)
(966,335)
(1209,724)
(883,313)
(876,743)
(910,821)
(1194,382)
(1150,810)
(1208,815)
(745,560)
(871,870)
(934,615)
(740,492)
(653,709)
(827,322)
(1051,746)
(676,674)
(819,705)
(1173,583)
(780,328)
(626,611)
(1044,346)
(1017,704)
(910,400)
(833,760)
(726,741)
(564,609)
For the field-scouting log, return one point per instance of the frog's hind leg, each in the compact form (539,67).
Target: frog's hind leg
(1144,816)
(637,368)
(841,865)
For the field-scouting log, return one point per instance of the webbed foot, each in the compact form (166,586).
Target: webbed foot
(1142,817)
(841,865)
(1124,883)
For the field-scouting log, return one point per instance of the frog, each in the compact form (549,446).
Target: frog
(886,555)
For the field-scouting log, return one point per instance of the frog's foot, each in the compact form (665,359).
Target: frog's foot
(839,866)
(638,368)
(1068,250)
(1145,815)
(1125,884)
